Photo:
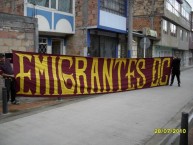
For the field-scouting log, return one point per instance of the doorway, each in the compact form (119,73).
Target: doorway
(56,46)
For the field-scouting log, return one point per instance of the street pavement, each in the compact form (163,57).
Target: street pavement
(125,118)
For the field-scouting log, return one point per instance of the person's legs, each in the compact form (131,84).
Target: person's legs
(178,78)
(13,92)
(172,79)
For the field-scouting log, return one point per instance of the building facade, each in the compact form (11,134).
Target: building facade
(191,40)
(56,21)
(98,28)
(171,20)
(88,28)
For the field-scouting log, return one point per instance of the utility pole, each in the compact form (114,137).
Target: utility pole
(130,27)
(152,14)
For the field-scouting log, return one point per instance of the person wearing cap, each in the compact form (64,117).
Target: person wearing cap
(6,71)
(175,70)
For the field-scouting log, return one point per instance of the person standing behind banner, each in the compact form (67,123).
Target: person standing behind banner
(175,70)
(6,71)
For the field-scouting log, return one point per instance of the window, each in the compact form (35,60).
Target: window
(192,36)
(173,30)
(42,45)
(165,26)
(186,35)
(114,6)
(53,4)
(60,5)
(169,5)
(44,3)
(176,8)
(185,14)
(181,34)
(173,6)
(65,5)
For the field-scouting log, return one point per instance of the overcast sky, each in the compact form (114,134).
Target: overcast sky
(190,2)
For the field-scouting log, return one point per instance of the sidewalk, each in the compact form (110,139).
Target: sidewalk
(106,119)
(27,103)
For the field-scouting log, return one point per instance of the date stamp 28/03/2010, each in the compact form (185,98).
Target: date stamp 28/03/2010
(169,130)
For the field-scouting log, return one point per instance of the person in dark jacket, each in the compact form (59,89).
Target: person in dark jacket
(175,70)
(6,71)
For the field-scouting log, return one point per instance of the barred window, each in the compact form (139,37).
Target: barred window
(42,45)
(114,6)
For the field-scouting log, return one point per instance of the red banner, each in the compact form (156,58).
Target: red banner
(59,75)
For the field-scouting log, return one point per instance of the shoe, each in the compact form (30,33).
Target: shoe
(16,102)
(170,84)
(178,85)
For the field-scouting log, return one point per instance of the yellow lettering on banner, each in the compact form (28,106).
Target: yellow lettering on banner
(120,62)
(95,75)
(81,72)
(131,74)
(108,75)
(41,68)
(21,75)
(155,82)
(165,60)
(54,75)
(140,73)
(64,77)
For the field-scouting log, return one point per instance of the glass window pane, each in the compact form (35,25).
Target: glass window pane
(114,6)
(44,3)
(65,6)
(53,4)
(31,1)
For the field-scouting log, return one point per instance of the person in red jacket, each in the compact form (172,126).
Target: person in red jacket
(6,71)
(175,70)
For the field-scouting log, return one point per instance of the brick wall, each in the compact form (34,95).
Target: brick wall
(76,43)
(148,7)
(144,10)
(12,7)
(93,12)
(141,22)
(86,15)
(16,33)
